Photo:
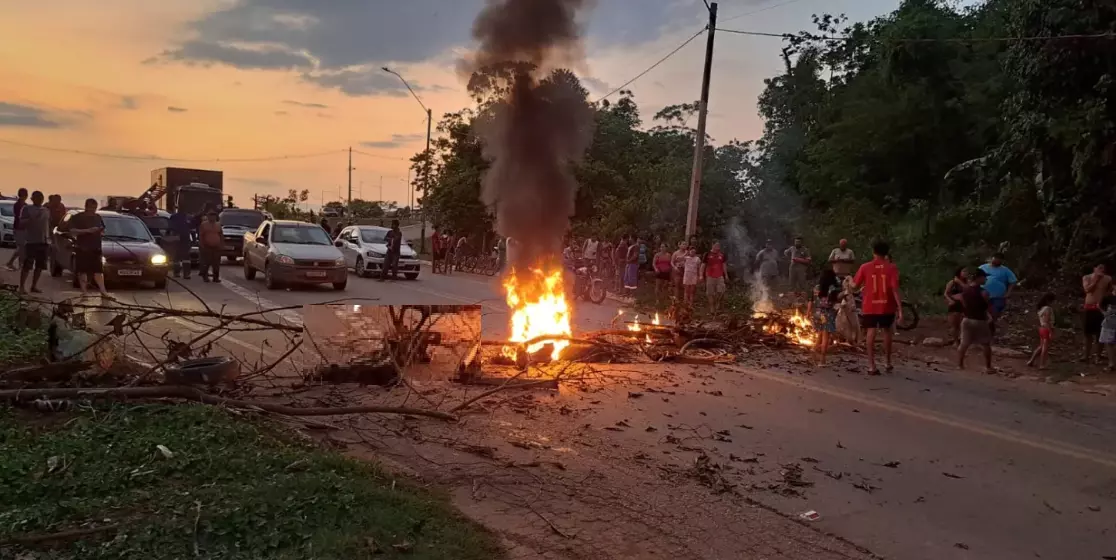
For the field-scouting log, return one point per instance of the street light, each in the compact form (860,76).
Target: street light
(429,120)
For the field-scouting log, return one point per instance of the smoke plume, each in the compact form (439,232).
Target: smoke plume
(539,127)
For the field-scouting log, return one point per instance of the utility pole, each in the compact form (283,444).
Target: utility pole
(425,186)
(381,191)
(350,175)
(699,141)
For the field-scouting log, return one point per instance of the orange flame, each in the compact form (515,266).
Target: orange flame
(538,308)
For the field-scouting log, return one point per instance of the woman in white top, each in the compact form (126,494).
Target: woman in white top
(691,274)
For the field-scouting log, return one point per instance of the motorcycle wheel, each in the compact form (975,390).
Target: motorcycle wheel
(597,292)
(910,318)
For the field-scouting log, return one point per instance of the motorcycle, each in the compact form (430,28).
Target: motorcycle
(587,283)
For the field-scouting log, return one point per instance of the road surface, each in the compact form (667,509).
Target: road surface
(928,463)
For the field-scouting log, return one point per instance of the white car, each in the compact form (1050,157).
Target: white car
(365,247)
(7,223)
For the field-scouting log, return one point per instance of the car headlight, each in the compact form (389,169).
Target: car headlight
(375,254)
(104,260)
(158,259)
(339,261)
(284,259)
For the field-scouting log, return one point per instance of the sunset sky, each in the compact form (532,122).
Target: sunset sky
(238,79)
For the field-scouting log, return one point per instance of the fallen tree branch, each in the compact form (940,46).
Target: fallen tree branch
(192,394)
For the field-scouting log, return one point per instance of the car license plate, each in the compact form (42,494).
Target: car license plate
(316,274)
(129,272)
(230,248)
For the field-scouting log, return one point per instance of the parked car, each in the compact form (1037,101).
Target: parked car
(129,251)
(290,252)
(235,222)
(364,248)
(7,222)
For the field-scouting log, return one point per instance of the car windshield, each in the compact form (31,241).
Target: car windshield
(126,229)
(373,235)
(300,235)
(157,224)
(7,209)
(250,220)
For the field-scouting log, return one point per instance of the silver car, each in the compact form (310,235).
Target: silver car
(290,252)
(7,222)
(365,247)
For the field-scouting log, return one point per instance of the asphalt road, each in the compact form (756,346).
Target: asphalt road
(928,463)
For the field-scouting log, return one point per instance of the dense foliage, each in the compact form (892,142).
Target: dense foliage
(951,131)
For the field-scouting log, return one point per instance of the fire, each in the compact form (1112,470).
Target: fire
(797,328)
(538,308)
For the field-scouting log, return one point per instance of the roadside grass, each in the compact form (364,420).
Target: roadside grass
(18,345)
(232,488)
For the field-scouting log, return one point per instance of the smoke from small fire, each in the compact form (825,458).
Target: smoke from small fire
(540,127)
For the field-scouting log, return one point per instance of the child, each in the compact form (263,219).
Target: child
(1046,332)
(691,270)
(827,295)
(1108,330)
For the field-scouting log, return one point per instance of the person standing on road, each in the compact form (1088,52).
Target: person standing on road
(56,209)
(17,227)
(619,260)
(36,227)
(691,274)
(1045,331)
(768,262)
(662,265)
(325,225)
(435,249)
(589,252)
(181,229)
(631,270)
(394,242)
(827,296)
(1107,336)
(976,328)
(882,304)
(89,228)
(1001,280)
(209,247)
(1096,286)
(713,269)
(843,259)
(955,310)
(799,266)
(677,266)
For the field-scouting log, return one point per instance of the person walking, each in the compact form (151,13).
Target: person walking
(394,241)
(691,274)
(954,308)
(88,229)
(882,303)
(713,270)
(209,247)
(827,296)
(843,259)
(1045,331)
(799,266)
(999,284)
(976,327)
(1096,286)
(767,260)
(36,226)
(17,227)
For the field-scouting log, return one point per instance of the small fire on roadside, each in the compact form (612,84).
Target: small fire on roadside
(537,301)
(797,328)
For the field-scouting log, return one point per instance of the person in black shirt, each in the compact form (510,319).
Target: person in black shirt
(976,326)
(17,228)
(394,242)
(88,228)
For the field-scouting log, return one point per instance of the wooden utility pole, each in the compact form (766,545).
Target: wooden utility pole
(699,141)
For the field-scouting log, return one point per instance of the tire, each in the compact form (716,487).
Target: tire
(202,370)
(56,268)
(249,272)
(411,276)
(596,291)
(359,269)
(340,286)
(910,318)
(269,278)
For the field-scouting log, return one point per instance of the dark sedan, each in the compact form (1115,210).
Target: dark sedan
(130,253)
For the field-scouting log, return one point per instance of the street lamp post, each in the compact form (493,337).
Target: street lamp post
(429,120)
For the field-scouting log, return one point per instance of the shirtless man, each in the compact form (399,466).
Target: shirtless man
(1096,286)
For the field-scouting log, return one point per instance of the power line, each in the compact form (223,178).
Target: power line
(379,156)
(753,12)
(159,158)
(653,66)
(839,38)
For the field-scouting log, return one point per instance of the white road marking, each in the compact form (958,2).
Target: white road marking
(289,315)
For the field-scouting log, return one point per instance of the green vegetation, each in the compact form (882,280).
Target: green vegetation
(925,128)
(19,345)
(233,488)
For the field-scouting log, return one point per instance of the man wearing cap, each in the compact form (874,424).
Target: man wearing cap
(842,259)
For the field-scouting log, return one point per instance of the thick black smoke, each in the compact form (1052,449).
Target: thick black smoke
(540,127)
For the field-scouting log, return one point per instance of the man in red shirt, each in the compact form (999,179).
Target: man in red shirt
(881,301)
(713,269)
